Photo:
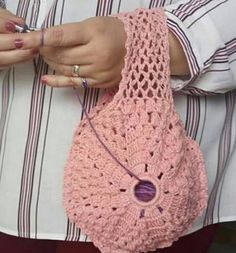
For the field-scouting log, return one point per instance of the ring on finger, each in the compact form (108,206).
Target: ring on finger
(42,35)
(79,82)
(75,70)
(85,83)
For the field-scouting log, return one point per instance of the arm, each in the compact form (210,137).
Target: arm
(207,33)
(178,60)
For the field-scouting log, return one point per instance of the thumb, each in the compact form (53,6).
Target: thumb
(7,15)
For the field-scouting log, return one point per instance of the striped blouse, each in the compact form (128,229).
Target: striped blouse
(37,122)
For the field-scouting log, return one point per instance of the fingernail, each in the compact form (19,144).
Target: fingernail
(44,80)
(10,27)
(35,51)
(19,43)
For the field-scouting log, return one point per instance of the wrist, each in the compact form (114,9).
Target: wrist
(178,61)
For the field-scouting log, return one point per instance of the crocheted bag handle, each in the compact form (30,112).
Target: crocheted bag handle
(146,72)
(147,55)
(141,127)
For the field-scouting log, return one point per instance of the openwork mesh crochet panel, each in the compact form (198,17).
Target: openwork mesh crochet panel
(139,124)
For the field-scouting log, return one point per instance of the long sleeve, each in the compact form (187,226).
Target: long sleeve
(207,31)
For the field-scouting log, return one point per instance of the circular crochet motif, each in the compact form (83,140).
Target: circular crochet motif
(166,190)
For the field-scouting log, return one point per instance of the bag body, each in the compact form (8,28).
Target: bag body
(166,192)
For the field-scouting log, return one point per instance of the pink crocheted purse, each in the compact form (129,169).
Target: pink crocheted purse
(154,189)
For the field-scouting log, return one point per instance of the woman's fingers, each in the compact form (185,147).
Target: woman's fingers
(7,15)
(67,70)
(57,36)
(68,56)
(16,56)
(65,81)
(9,41)
(6,26)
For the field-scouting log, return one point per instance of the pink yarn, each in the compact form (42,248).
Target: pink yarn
(139,124)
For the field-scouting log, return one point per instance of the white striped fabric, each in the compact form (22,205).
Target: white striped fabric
(37,122)
(208,41)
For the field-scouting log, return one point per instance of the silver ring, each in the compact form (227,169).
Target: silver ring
(84,83)
(75,70)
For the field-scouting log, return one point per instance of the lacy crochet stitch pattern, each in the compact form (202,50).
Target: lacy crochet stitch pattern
(139,124)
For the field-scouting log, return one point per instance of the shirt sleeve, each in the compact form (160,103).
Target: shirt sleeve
(206,30)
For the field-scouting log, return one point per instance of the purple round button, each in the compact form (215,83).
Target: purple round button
(145,191)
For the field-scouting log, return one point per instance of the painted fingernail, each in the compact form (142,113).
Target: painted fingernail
(35,51)
(44,80)
(10,27)
(19,43)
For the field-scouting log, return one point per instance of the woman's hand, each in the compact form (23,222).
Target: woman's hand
(96,44)
(10,52)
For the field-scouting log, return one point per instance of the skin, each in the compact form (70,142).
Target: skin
(178,61)
(96,44)
(9,53)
